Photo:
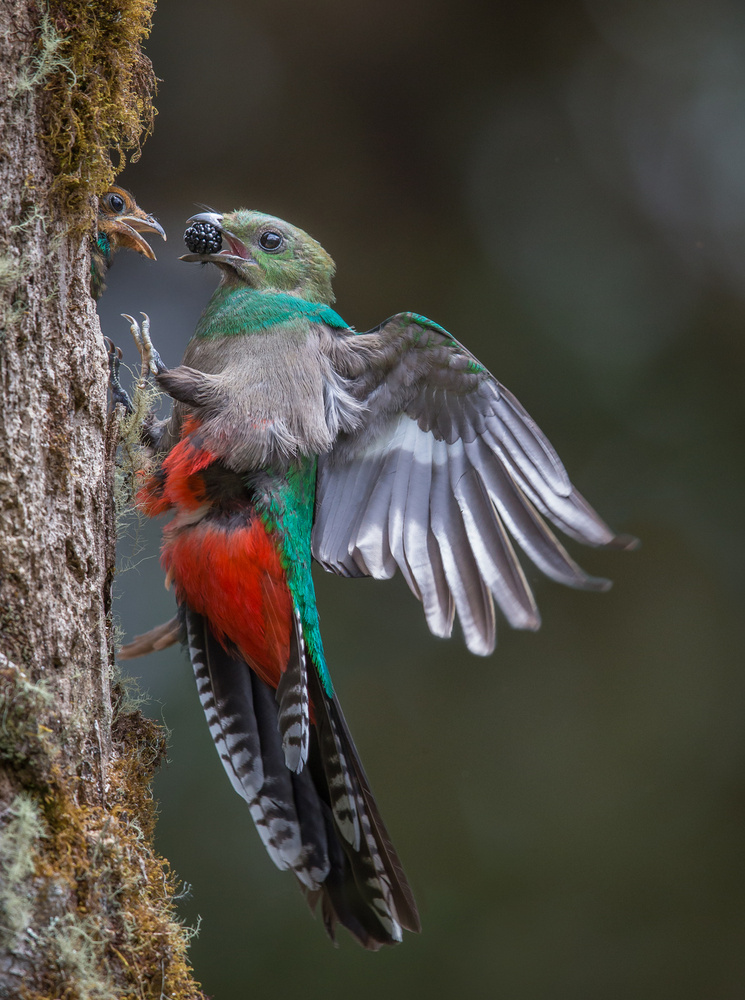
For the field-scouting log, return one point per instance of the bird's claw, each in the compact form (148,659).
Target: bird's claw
(115,353)
(152,363)
(118,393)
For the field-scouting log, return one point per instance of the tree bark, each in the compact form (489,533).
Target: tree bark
(85,903)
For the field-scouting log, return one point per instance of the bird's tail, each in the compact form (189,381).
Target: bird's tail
(321,820)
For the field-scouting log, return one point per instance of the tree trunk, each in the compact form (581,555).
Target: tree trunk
(85,903)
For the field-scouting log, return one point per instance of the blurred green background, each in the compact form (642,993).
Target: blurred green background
(561,185)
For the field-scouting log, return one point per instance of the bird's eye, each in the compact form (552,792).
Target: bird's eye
(270,240)
(116,202)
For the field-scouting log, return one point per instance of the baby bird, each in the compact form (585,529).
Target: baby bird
(120,222)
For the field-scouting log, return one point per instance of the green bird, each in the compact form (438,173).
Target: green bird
(119,224)
(293,437)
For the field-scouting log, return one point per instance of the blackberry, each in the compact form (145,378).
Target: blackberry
(203,237)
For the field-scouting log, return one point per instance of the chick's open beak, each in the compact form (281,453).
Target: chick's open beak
(129,227)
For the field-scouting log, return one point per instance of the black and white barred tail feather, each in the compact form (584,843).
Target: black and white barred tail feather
(377,870)
(292,695)
(320,820)
(242,714)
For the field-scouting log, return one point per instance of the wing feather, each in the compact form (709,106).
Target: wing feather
(341,501)
(470,595)
(525,525)
(402,462)
(420,550)
(370,549)
(444,466)
(494,553)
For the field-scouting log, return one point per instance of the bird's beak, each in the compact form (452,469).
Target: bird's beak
(236,247)
(214,219)
(129,228)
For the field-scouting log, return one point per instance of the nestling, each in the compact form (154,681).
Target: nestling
(120,222)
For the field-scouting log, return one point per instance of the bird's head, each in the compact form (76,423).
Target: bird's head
(120,222)
(263,252)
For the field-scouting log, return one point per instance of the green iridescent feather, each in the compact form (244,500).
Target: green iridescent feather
(234,311)
(286,510)
(100,263)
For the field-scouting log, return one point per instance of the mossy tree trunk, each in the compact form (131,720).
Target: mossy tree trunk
(85,904)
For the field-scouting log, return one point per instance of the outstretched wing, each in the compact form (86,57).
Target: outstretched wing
(444,468)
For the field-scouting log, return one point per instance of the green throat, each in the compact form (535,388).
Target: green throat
(233,311)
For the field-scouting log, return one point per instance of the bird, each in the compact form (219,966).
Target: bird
(293,437)
(120,221)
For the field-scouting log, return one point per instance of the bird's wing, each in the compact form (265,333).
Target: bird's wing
(444,470)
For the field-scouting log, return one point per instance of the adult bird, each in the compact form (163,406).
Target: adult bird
(120,222)
(293,436)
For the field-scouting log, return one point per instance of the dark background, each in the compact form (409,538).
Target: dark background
(561,185)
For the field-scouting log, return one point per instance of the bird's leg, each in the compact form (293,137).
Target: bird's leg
(152,363)
(151,429)
(118,392)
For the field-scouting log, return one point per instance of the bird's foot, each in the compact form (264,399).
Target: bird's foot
(118,393)
(152,363)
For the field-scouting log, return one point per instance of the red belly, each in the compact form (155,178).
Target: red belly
(227,567)
(235,579)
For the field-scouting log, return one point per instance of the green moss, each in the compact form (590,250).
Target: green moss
(122,938)
(13,300)
(79,952)
(113,932)
(98,88)
(134,460)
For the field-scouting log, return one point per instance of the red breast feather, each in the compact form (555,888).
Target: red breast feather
(224,563)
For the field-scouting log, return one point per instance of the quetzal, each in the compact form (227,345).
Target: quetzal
(292,437)
(119,224)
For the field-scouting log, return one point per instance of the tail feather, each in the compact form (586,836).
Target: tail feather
(241,712)
(321,822)
(403,897)
(341,902)
(292,696)
(376,867)
(338,776)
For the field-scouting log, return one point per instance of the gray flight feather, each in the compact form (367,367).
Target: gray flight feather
(440,466)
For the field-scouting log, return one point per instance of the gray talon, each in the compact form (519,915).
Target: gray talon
(118,393)
(152,362)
